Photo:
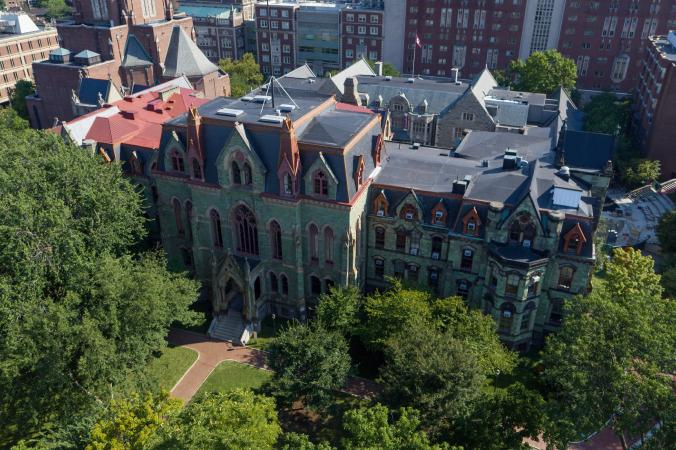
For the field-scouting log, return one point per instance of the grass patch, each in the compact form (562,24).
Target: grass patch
(230,375)
(170,366)
(269,329)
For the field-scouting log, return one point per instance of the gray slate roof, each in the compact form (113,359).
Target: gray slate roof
(134,54)
(185,58)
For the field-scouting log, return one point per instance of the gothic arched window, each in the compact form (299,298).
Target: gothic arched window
(177,216)
(321,184)
(196,169)
(216,232)
(274,285)
(328,245)
(276,240)
(313,238)
(236,174)
(247,174)
(246,231)
(188,218)
(177,164)
(285,284)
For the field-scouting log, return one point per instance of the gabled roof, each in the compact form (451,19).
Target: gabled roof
(91,88)
(134,54)
(111,130)
(87,54)
(185,58)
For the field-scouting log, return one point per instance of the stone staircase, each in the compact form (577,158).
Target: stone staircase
(230,328)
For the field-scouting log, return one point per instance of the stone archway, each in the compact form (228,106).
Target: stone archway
(231,294)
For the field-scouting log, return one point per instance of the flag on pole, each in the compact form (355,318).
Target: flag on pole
(417,40)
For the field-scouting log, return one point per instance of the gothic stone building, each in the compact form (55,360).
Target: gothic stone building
(271,206)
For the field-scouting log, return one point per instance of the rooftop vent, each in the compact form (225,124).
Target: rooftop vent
(262,98)
(247,98)
(484,163)
(286,107)
(388,78)
(410,80)
(228,112)
(510,161)
(269,118)
(564,172)
(415,146)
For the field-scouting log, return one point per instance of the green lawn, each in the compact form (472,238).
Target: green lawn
(230,375)
(171,365)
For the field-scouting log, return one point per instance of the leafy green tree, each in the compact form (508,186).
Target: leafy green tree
(131,423)
(432,372)
(501,419)
(640,172)
(666,232)
(668,281)
(613,357)
(18,97)
(245,74)
(606,113)
(544,72)
(55,8)
(385,313)
(78,315)
(339,309)
(374,428)
(296,441)
(388,69)
(308,363)
(223,421)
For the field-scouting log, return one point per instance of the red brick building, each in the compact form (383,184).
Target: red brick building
(276,37)
(655,108)
(131,44)
(362,32)
(607,39)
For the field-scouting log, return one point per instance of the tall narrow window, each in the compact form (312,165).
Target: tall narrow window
(247,174)
(566,277)
(313,237)
(415,243)
(526,316)
(285,284)
(288,184)
(177,163)
(556,313)
(274,285)
(379,271)
(236,174)
(401,240)
(247,232)
(328,285)
(321,184)
(257,288)
(315,286)
(177,217)
(466,260)
(436,247)
(328,245)
(188,218)
(276,240)
(216,232)
(506,318)
(512,285)
(196,169)
(380,237)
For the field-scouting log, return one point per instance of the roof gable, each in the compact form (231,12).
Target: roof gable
(185,58)
(134,54)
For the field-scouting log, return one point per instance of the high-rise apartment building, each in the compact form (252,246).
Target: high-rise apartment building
(655,108)
(276,36)
(318,31)
(362,32)
(219,28)
(21,43)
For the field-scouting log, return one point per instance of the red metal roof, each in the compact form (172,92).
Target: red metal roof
(352,108)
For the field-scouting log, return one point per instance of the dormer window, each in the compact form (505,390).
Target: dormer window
(522,231)
(574,240)
(471,222)
(439,214)
(409,212)
(471,225)
(380,205)
(321,184)
(177,164)
(288,184)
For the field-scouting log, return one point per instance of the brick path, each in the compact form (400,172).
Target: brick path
(211,353)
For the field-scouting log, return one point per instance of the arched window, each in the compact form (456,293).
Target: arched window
(246,231)
(257,288)
(526,316)
(177,164)
(507,311)
(285,284)
(522,231)
(566,274)
(216,232)
(276,239)
(328,284)
(321,183)
(409,212)
(188,218)
(288,184)
(236,175)
(380,237)
(401,240)
(466,259)
(177,216)
(328,245)
(247,174)
(196,169)
(315,285)
(313,237)
(274,285)
(436,247)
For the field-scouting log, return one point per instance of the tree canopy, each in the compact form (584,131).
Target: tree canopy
(79,315)
(308,362)
(388,69)
(245,74)
(339,310)
(613,356)
(606,113)
(18,97)
(544,72)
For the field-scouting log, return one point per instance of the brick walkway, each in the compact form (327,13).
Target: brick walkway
(211,353)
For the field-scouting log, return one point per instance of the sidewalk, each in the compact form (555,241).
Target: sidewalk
(211,353)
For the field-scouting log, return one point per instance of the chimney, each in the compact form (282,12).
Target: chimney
(460,186)
(379,68)
(351,92)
